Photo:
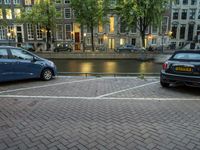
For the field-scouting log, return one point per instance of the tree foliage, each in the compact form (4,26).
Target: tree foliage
(89,13)
(142,13)
(42,13)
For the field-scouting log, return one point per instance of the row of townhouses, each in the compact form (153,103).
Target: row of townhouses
(182,20)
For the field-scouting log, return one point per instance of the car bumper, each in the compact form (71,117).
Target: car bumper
(54,71)
(176,79)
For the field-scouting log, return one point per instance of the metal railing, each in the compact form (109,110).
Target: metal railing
(97,74)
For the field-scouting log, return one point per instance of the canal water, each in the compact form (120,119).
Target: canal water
(107,66)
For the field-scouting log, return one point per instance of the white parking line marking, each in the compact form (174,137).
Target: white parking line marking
(135,87)
(34,87)
(102,98)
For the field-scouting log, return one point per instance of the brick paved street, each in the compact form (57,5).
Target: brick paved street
(79,113)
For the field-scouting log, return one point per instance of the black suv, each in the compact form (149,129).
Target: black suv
(63,47)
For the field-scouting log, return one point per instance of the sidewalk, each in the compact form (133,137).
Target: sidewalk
(78,113)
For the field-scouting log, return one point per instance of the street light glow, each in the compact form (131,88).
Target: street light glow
(8,34)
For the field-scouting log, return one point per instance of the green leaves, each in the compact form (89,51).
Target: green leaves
(43,13)
(144,13)
(89,12)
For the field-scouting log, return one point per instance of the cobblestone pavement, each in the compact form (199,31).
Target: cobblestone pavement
(80,113)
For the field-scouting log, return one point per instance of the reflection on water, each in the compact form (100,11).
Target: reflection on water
(86,67)
(107,66)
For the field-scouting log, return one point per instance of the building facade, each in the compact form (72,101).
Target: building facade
(106,37)
(12,33)
(185,22)
(115,33)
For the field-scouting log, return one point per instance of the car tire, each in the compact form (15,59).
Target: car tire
(164,84)
(46,74)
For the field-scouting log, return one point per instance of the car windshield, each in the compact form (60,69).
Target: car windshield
(187,56)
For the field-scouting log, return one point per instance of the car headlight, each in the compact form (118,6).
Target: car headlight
(51,64)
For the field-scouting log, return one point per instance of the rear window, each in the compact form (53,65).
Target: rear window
(187,56)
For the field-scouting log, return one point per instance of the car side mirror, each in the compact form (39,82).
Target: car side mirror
(34,59)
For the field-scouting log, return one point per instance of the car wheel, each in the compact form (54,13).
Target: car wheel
(46,74)
(164,84)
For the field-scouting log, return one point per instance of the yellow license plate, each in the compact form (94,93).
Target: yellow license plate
(184,69)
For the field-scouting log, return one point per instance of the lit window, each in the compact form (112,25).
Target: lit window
(2,33)
(7,2)
(100,27)
(17,12)
(27,2)
(59,31)
(11,30)
(8,14)
(112,24)
(36,1)
(174,31)
(122,41)
(30,31)
(1,14)
(67,13)
(16,1)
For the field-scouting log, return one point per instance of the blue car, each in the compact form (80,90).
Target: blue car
(17,64)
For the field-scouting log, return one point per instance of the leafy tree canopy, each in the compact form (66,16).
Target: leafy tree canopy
(42,12)
(90,12)
(142,13)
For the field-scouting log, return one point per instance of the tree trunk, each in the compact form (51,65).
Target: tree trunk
(82,38)
(143,38)
(92,37)
(48,39)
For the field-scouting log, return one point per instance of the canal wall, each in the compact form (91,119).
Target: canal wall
(139,56)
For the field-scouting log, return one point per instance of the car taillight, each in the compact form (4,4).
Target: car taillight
(164,66)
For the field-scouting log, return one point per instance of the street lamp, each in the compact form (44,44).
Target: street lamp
(84,35)
(9,35)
